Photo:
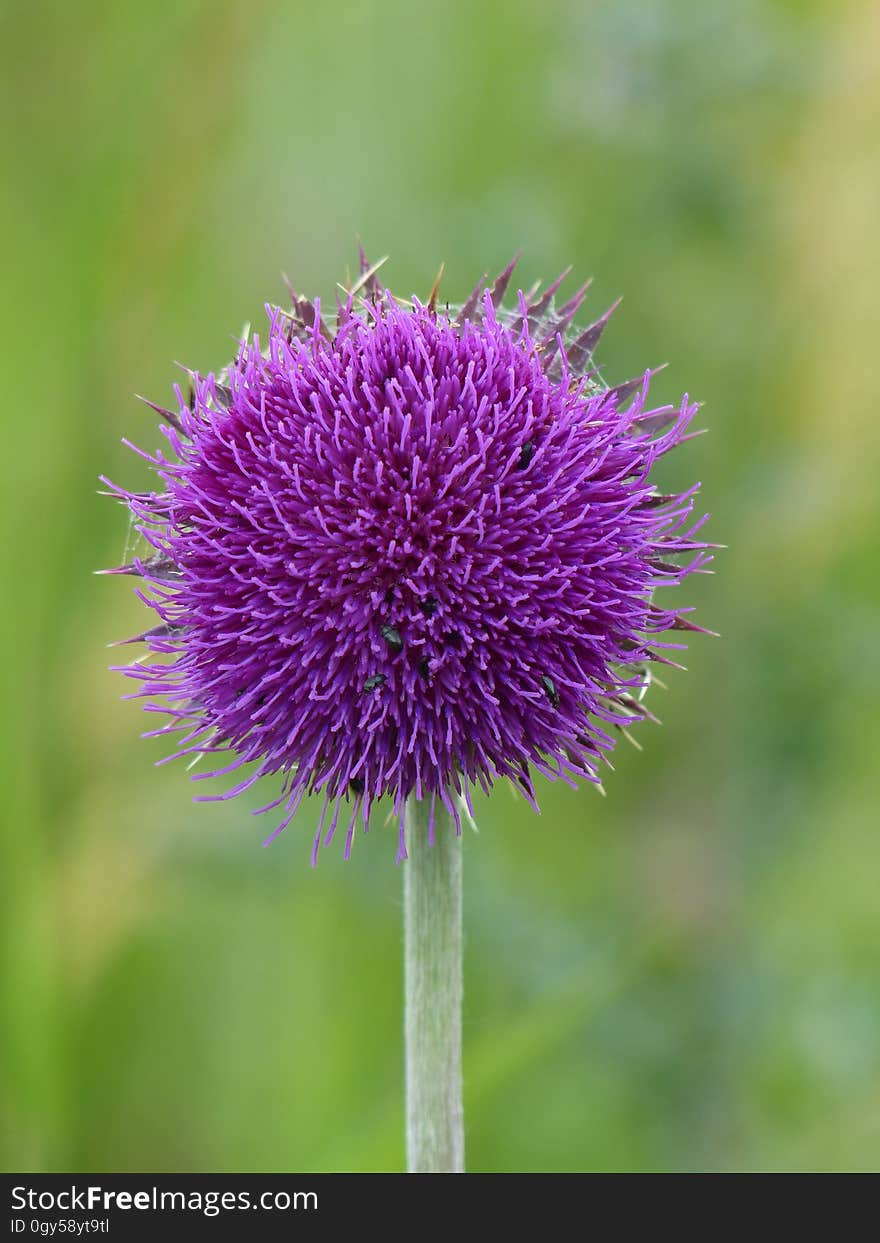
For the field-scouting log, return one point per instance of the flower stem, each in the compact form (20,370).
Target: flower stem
(432,990)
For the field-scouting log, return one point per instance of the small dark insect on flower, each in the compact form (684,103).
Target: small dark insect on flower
(389,457)
(526,453)
(392,638)
(550,690)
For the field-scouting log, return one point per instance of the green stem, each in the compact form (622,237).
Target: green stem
(432,990)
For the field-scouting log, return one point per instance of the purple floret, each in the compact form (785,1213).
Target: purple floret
(409,556)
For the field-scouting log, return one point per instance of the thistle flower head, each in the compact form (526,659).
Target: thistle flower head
(409,554)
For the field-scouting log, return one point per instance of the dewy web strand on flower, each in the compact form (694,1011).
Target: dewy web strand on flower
(409,554)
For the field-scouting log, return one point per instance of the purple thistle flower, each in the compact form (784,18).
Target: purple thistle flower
(411,555)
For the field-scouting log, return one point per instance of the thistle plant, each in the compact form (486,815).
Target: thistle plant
(395,555)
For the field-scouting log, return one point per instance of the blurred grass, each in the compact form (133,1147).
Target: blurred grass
(680,976)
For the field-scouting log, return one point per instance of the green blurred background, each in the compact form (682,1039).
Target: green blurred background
(684,975)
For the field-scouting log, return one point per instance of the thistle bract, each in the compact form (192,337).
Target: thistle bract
(409,553)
